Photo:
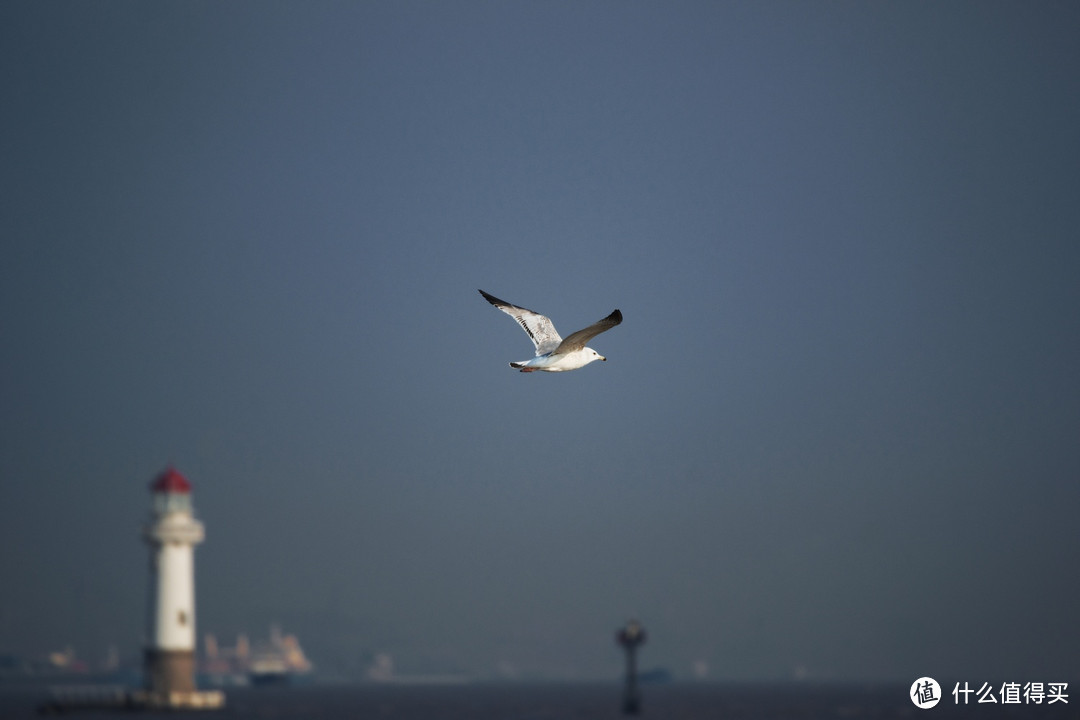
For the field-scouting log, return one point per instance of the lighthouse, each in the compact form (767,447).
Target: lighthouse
(172,534)
(169,659)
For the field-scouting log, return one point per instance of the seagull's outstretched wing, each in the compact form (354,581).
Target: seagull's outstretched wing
(540,329)
(576,341)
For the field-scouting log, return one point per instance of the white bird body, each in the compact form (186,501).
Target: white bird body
(559,363)
(554,354)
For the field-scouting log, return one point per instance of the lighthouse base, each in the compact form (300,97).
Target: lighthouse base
(104,698)
(169,671)
(197,700)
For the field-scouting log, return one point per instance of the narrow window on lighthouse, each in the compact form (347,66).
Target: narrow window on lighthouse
(181,616)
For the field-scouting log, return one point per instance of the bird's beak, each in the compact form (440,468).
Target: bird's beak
(603,358)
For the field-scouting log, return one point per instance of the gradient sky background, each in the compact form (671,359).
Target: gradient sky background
(838,433)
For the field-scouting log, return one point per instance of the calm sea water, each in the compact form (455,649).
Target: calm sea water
(568,702)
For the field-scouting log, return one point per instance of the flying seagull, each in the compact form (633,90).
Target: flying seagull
(553,354)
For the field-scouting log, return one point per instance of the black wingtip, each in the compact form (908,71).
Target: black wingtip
(616,317)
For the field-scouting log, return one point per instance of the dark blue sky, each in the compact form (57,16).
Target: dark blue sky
(836,435)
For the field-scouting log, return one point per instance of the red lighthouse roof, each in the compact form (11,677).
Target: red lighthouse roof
(170,481)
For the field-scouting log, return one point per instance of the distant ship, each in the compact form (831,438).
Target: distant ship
(656,676)
(280,661)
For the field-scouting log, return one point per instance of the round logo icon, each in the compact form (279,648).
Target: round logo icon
(925,693)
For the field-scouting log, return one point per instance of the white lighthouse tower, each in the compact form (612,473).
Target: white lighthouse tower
(169,661)
(173,533)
